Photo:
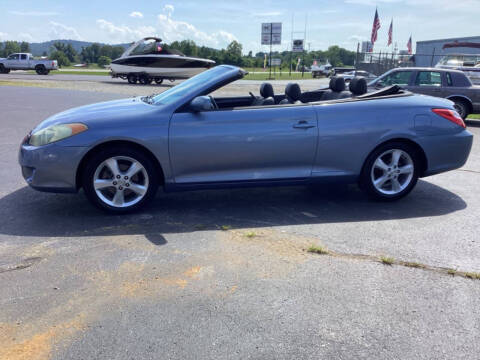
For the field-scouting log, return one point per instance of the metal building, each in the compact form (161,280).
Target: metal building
(429,52)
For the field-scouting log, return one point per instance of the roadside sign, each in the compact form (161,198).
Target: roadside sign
(275,62)
(297,45)
(271,33)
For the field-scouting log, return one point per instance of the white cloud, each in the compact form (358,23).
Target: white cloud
(125,33)
(172,30)
(25,37)
(136,14)
(60,31)
(168,9)
(3,36)
(33,13)
(357,38)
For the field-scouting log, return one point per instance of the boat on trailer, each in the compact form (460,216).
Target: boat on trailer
(149,60)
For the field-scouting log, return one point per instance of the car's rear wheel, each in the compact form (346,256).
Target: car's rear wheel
(120,179)
(462,108)
(391,171)
(40,69)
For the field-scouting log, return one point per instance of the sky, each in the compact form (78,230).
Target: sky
(216,23)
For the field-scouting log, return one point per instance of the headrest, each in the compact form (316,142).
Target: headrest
(266,90)
(337,84)
(358,86)
(293,91)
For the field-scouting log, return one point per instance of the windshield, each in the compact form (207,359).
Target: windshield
(188,86)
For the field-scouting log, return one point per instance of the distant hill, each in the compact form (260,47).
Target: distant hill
(37,49)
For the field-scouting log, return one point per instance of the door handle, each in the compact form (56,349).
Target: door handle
(303,124)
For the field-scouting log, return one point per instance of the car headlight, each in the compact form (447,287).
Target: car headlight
(54,133)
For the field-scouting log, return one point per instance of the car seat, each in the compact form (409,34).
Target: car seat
(292,94)
(336,89)
(358,86)
(266,95)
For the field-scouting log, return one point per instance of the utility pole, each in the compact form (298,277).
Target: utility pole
(304,43)
(291,48)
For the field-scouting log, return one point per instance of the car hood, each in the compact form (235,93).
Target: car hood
(102,114)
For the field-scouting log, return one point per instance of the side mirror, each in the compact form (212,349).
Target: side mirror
(201,103)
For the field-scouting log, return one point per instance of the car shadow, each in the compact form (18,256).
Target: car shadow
(26,212)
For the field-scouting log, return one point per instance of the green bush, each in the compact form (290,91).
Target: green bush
(61,58)
(104,60)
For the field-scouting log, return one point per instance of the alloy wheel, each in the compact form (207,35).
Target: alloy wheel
(392,172)
(120,181)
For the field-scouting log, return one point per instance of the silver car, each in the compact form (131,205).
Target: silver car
(119,152)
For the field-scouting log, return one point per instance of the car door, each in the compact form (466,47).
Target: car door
(12,61)
(401,78)
(243,144)
(427,83)
(23,62)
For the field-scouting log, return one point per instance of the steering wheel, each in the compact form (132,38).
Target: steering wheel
(215,105)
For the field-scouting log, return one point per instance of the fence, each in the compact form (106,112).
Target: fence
(378,63)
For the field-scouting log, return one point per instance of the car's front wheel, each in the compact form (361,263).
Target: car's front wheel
(391,171)
(120,179)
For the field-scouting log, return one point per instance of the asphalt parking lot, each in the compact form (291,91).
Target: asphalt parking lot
(225,274)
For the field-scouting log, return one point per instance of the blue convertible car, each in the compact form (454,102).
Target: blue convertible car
(119,152)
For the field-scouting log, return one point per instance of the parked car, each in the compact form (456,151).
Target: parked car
(449,84)
(359,73)
(25,61)
(320,70)
(184,139)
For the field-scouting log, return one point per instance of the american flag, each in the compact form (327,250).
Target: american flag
(375,27)
(409,45)
(390,33)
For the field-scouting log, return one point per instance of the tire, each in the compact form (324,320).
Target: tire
(41,70)
(114,190)
(462,108)
(4,70)
(158,81)
(390,180)
(132,79)
(144,80)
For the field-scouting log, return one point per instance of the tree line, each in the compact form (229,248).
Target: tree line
(102,55)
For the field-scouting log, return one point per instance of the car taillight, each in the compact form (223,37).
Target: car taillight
(451,115)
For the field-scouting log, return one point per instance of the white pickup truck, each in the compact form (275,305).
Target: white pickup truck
(25,61)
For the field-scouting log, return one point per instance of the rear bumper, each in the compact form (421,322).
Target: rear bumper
(51,168)
(446,152)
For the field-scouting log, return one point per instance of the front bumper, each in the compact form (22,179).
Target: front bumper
(446,152)
(51,168)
